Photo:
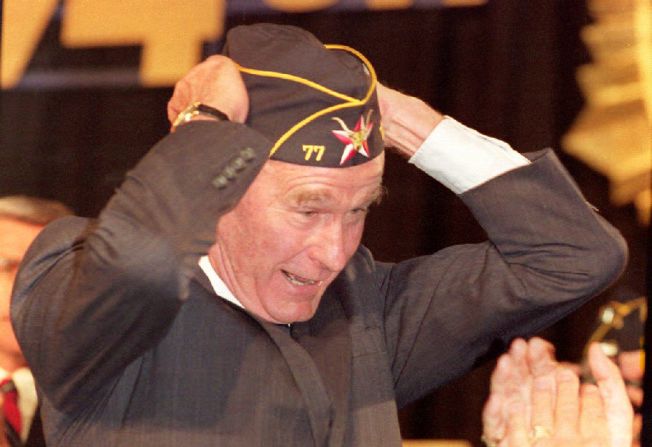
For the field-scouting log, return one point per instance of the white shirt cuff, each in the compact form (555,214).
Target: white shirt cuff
(461,158)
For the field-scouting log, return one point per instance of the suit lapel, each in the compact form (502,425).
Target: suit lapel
(308,380)
(327,339)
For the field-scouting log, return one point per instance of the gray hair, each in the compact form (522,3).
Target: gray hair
(32,210)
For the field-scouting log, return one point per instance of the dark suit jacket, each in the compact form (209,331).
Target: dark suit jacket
(130,346)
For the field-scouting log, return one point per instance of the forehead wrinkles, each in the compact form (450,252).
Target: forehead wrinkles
(319,184)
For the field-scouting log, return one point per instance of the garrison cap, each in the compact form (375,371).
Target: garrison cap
(316,103)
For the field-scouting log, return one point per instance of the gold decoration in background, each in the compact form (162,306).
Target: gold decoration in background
(613,133)
(23,25)
(612,319)
(170,32)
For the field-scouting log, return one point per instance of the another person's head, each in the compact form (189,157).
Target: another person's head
(302,219)
(21,219)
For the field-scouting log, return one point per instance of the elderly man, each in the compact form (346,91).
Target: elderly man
(21,219)
(222,296)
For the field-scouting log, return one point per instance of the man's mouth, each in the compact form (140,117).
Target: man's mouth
(299,280)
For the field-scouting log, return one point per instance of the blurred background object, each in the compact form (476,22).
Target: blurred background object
(613,135)
(613,132)
(621,326)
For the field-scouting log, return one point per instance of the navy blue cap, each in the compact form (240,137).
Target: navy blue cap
(317,103)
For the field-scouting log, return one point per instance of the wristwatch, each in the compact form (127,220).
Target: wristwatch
(197,108)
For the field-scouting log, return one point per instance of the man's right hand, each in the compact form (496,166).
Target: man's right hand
(217,83)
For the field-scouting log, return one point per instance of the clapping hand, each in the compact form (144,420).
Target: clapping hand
(536,402)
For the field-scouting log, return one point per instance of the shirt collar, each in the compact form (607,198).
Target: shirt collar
(219,287)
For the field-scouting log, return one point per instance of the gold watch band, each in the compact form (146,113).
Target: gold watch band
(197,108)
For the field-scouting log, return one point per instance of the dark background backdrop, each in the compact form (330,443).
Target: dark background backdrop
(506,68)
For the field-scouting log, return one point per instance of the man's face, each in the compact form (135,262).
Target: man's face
(292,233)
(15,237)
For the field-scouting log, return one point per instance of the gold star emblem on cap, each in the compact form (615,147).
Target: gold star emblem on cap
(355,140)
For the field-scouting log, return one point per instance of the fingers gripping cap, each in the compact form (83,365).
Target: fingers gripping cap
(317,103)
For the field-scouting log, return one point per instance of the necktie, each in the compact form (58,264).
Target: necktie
(11,414)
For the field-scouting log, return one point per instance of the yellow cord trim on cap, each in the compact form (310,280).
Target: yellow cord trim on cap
(298,79)
(365,61)
(349,101)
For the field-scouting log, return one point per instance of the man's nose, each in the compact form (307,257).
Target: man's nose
(329,248)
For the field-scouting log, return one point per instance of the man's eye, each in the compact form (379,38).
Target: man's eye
(308,213)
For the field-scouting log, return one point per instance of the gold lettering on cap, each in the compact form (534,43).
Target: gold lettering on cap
(311,149)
